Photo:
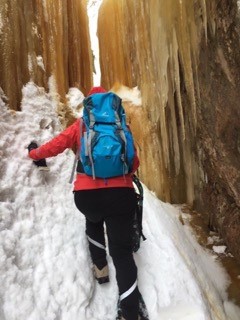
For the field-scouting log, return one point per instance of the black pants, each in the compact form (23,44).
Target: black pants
(115,207)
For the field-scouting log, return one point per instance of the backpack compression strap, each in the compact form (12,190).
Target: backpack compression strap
(89,141)
(123,137)
(116,105)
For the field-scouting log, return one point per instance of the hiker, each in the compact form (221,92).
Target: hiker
(111,201)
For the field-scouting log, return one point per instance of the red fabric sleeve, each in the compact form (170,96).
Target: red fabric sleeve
(136,162)
(69,138)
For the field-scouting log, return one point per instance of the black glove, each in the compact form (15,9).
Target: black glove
(39,163)
(32,145)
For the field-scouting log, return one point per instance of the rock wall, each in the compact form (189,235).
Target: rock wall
(184,57)
(40,39)
(218,134)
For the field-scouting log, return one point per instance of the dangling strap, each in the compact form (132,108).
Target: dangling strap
(76,155)
(140,203)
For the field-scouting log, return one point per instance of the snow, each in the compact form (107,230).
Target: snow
(45,268)
(40,62)
(75,98)
(92,9)
(2,97)
(132,95)
(219,249)
(213,239)
(30,63)
(1,24)
(238,5)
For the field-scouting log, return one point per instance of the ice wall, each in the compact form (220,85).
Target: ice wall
(155,45)
(39,39)
(184,57)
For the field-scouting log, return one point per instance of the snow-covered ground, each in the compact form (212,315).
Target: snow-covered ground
(92,8)
(45,268)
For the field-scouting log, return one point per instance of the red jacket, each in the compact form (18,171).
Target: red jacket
(70,138)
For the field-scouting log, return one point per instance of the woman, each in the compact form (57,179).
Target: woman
(112,203)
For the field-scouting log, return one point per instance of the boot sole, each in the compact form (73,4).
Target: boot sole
(103,280)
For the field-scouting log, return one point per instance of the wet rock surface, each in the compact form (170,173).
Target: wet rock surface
(219,124)
(40,39)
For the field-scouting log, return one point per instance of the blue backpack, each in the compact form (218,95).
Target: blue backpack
(107,148)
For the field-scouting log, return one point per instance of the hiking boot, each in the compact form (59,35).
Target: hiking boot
(101,275)
(143,313)
(139,318)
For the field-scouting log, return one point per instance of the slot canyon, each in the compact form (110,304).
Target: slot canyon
(184,58)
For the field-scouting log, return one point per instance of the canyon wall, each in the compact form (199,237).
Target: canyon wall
(43,39)
(184,57)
